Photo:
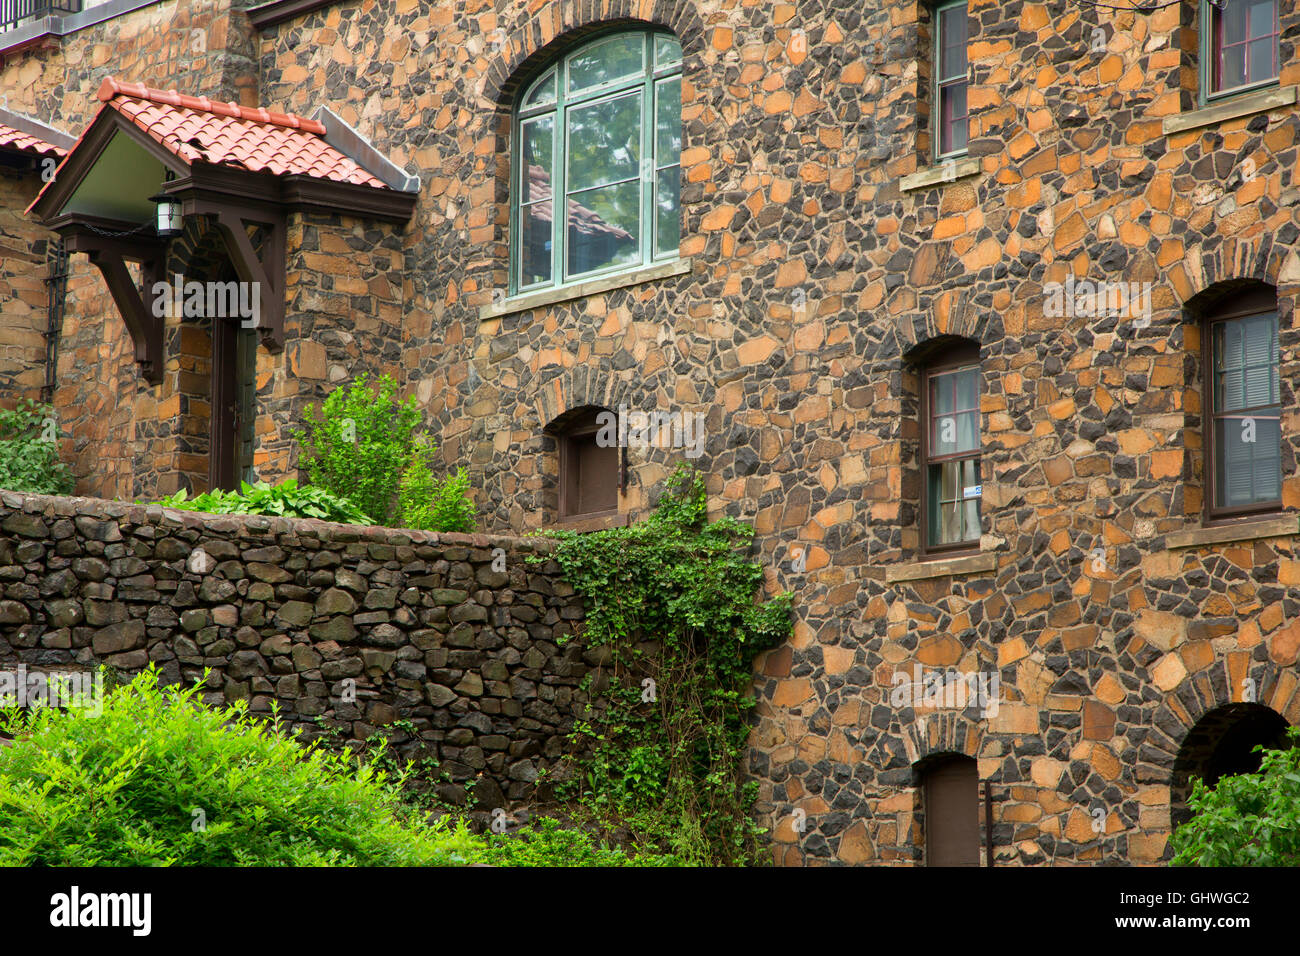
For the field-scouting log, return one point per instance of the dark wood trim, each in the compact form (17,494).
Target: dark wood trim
(327,197)
(136,306)
(269,14)
(268,272)
(223,390)
(953,357)
(988,824)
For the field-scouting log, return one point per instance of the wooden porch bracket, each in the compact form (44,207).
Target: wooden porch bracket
(110,256)
(268,271)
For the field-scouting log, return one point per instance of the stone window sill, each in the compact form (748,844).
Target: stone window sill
(580,290)
(613,519)
(1234,107)
(941,567)
(1281,527)
(948,171)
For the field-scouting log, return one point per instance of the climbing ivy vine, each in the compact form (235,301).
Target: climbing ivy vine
(674,620)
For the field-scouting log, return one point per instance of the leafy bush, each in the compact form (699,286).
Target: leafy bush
(427,504)
(671,764)
(159,779)
(284,500)
(548,842)
(1250,819)
(29,451)
(362,444)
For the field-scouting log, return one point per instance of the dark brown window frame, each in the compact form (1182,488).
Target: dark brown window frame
(1253,302)
(567,442)
(944,360)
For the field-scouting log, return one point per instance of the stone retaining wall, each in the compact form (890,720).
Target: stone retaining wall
(430,627)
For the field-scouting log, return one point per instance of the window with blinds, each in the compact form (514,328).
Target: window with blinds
(1246,414)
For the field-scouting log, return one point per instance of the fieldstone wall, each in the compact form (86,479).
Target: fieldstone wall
(23,271)
(815,281)
(456,636)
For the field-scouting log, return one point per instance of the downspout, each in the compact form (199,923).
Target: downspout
(56,287)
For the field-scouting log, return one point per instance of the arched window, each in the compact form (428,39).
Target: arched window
(951,812)
(950,449)
(1243,401)
(602,128)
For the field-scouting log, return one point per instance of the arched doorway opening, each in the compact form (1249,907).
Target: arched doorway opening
(1222,744)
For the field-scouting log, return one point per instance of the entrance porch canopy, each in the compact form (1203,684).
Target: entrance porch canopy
(242,166)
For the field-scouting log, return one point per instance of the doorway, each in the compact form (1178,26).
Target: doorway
(234,403)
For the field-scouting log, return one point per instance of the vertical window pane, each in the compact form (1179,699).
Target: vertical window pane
(1234,67)
(537,144)
(535,243)
(668,121)
(603,227)
(668,220)
(1233,16)
(952,42)
(1249,469)
(604,142)
(1261,15)
(1247,418)
(614,59)
(1259,59)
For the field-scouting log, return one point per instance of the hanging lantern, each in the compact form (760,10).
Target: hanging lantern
(169,215)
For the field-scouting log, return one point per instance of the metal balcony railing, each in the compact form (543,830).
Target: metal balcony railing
(17,13)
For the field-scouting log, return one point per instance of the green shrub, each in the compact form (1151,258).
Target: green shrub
(362,444)
(670,765)
(285,500)
(427,504)
(159,779)
(29,451)
(1250,819)
(548,842)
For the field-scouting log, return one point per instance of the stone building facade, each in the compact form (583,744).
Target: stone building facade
(828,256)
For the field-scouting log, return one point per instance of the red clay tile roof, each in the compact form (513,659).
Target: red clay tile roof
(11,138)
(198,130)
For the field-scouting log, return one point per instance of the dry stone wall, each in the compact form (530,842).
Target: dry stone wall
(458,637)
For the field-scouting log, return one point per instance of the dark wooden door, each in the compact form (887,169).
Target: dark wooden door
(234,354)
(952,828)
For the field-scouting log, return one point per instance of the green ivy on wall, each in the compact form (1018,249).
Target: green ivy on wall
(672,611)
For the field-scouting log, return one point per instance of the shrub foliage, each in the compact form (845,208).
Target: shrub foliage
(286,500)
(29,451)
(368,446)
(1250,819)
(159,779)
